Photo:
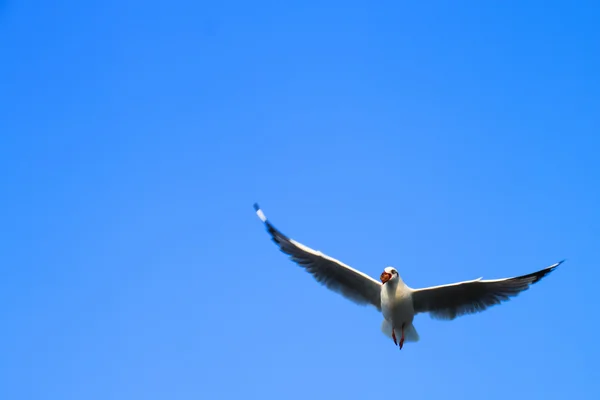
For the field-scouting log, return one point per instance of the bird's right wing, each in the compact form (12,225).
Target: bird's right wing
(451,301)
(335,275)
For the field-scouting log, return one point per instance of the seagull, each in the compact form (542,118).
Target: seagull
(397,302)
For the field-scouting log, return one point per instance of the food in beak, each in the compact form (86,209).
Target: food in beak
(385,276)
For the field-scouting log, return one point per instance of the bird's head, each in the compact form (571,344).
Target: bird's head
(389,274)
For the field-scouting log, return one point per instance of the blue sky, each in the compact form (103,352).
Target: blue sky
(449,139)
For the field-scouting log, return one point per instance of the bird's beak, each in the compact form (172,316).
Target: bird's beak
(385,276)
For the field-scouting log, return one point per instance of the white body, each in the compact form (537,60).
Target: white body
(396,303)
(397,309)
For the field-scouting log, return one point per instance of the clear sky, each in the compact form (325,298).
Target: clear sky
(450,139)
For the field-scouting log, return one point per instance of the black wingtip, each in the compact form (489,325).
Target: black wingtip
(260,214)
(537,276)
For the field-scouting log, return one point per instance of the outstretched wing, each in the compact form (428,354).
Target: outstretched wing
(335,275)
(451,301)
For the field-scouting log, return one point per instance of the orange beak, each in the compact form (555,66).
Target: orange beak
(385,276)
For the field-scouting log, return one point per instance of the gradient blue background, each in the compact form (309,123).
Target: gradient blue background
(451,139)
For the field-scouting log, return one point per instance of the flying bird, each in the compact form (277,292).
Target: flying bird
(398,302)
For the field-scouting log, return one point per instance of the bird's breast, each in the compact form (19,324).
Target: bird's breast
(396,306)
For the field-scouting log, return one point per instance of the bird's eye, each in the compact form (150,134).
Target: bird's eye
(394,272)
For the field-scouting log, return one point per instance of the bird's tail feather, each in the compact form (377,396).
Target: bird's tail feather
(410,333)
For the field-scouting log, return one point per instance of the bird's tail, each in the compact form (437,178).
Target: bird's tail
(410,333)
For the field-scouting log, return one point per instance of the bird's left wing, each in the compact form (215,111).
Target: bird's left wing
(335,275)
(451,301)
